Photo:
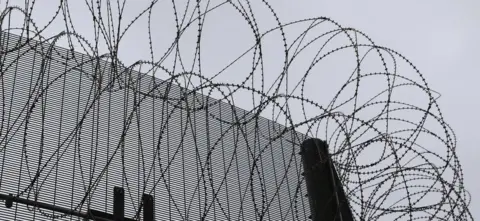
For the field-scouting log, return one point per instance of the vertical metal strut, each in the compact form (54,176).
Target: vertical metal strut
(325,192)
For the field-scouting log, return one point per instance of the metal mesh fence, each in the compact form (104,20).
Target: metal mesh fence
(74,127)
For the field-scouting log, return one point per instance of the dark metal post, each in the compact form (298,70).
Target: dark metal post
(325,192)
(118,204)
(148,210)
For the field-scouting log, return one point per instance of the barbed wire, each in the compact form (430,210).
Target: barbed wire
(98,116)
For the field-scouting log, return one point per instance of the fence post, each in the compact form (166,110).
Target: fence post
(325,192)
(118,204)
(148,208)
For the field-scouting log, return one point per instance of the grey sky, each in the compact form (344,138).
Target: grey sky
(440,37)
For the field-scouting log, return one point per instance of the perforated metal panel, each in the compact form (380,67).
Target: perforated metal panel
(73,128)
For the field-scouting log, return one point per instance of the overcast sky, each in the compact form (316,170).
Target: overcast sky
(440,37)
